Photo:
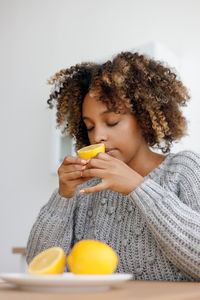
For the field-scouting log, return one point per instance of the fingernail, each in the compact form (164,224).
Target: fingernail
(82,191)
(83,161)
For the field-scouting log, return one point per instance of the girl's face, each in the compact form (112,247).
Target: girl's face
(119,132)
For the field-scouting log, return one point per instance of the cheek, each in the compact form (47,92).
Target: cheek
(135,130)
(90,138)
(130,137)
(130,130)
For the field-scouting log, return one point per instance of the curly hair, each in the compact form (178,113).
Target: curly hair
(150,90)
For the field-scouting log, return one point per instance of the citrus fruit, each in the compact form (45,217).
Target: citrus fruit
(92,257)
(49,261)
(91,151)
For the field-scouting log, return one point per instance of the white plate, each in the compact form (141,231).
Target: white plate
(65,282)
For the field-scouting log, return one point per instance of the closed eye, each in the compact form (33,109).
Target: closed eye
(112,124)
(108,124)
(90,129)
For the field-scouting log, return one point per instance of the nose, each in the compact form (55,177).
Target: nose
(99,135)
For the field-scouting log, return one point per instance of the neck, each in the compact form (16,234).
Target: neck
(145,160)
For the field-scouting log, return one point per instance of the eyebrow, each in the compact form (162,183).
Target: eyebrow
(101,114)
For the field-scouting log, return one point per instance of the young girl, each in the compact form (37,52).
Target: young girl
(145,205)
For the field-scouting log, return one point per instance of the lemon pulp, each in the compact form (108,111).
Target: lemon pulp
(92,257)
(49,261)
(91,151)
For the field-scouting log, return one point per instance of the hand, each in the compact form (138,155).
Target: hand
(115,175)
(69,174)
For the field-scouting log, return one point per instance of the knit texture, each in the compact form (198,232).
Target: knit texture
(155,230)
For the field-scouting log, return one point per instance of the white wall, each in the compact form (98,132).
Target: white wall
(39,38)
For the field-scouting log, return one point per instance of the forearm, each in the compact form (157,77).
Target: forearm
(53,227)
(175,226)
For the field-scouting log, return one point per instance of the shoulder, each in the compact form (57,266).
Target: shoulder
(186,158)
(184,165)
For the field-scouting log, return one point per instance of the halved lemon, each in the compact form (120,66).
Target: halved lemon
(49,261)
(91,151)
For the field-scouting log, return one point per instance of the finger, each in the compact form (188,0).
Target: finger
(70,176)
(103,156)
(80,181)
(74,160)
(72,168)
(93,189)
(97,163)
(92,173)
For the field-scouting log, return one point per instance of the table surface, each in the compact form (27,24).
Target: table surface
(134,290)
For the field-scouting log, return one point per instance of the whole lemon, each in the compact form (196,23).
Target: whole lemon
(92,257)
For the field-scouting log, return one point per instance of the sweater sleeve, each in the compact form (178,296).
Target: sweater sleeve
(173,217)
(53,226)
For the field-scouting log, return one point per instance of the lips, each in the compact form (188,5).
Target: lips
(110,150)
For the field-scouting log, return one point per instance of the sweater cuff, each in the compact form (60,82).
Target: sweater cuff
(61,205)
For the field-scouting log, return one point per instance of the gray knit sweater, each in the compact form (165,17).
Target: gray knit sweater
(155,230)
